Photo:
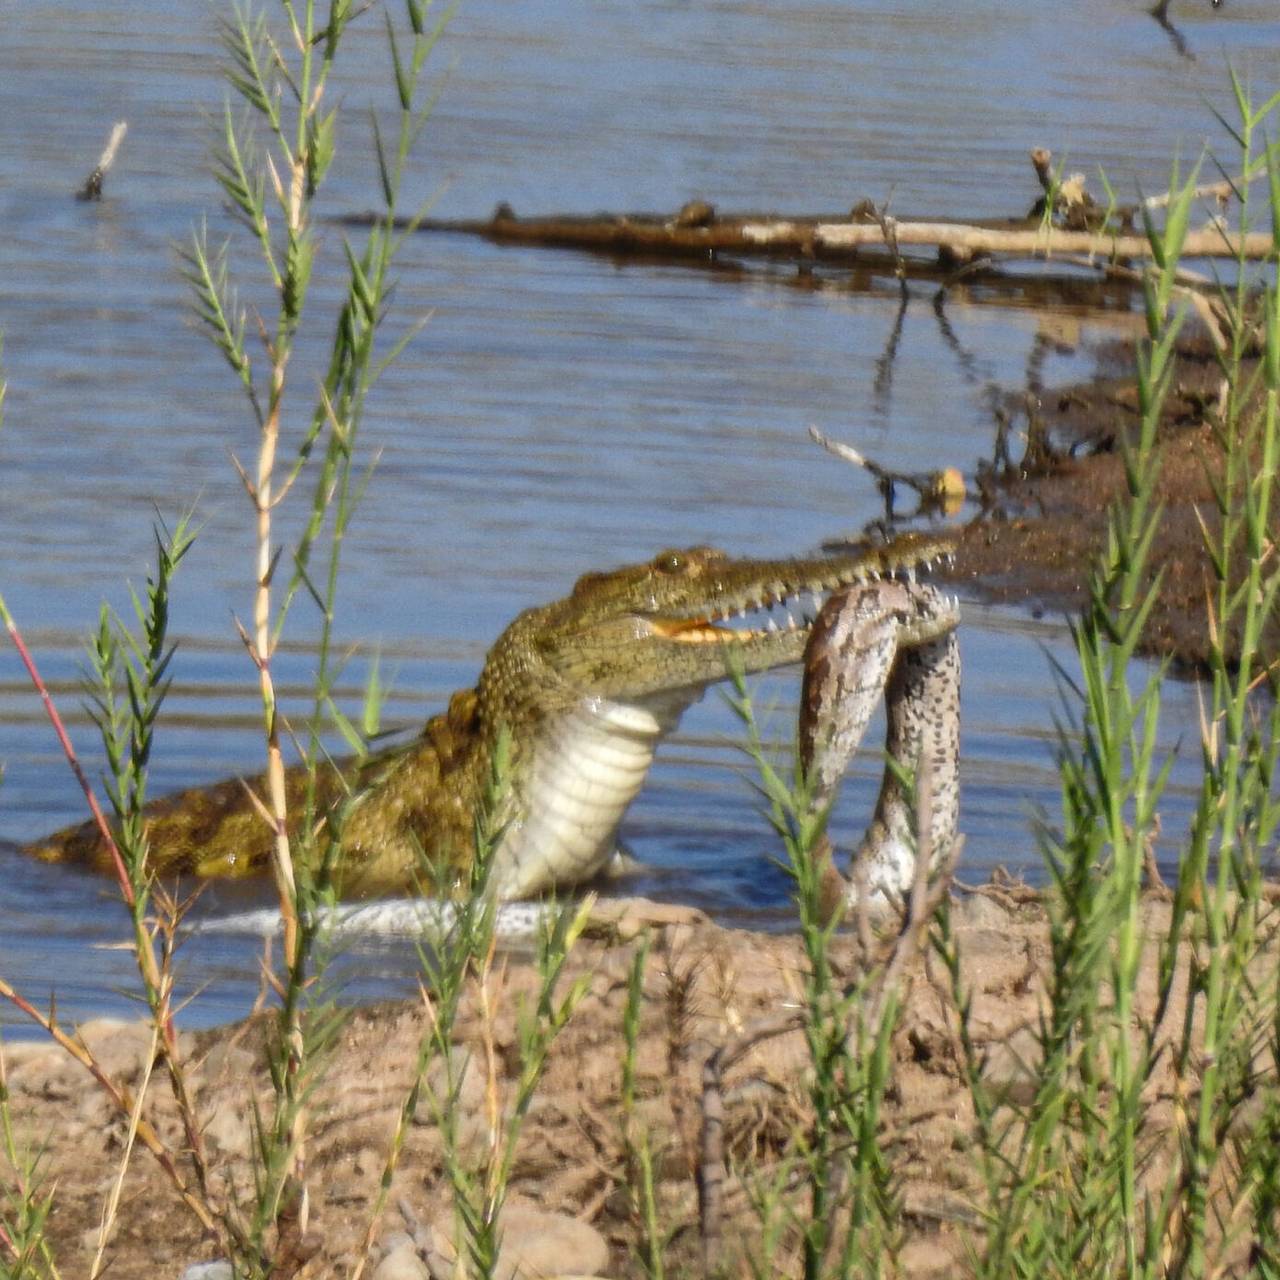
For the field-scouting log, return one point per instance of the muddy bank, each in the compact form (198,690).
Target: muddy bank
(1047,510)
(703,985)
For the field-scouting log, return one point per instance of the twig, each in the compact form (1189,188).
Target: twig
(119,1096)
(99,818)
(1223,190)
(964,239)
(155,975)
(135,1116)
(1199,289)
(934,488)
(888,228)
(711,1168)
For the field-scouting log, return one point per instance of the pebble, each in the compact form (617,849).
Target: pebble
(228,1062)
(19,1054)
(927,1258)
(468,1104)
(220,1270)
(402,1263)
(230,1130)
(536,1245)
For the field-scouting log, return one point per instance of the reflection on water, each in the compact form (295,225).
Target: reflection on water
(560,412)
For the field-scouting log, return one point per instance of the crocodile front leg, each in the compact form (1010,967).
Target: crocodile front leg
(895,639)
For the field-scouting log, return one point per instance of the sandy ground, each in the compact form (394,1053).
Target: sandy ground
(703,986)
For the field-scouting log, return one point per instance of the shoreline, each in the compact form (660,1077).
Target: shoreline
(703,985)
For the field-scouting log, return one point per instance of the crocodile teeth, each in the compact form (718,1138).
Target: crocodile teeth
(771,625)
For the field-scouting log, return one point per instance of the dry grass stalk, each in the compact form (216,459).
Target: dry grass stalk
(112,1206)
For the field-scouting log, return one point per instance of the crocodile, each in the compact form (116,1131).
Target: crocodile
(583,690)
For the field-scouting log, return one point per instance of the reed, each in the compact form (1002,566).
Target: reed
(1094,1176)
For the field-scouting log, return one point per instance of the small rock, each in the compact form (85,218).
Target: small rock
(220,1270)
(230,1129)
(695,213)
(90,1237)
(536,1244)
(402,1263)
(440,1254)
(18,1054)
(626,918)
(119,1046)
(981,911)
(228,1062)
(1012,1063)
(468,1106)
(926,1258)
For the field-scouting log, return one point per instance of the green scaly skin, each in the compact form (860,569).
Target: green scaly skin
(585,688)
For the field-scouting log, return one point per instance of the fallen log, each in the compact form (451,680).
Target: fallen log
(828,237)
(1043,242)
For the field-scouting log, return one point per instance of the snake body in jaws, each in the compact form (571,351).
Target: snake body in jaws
(896,638)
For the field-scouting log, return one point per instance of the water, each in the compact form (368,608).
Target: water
(559,412)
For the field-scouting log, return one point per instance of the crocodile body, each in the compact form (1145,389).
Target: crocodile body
(585,689)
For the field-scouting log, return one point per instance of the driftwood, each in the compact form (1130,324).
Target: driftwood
(1041,242)
(92,187)
(1065,227)
(830,238)
(942,490)
(826,238)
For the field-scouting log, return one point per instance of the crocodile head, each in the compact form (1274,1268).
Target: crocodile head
(688,617)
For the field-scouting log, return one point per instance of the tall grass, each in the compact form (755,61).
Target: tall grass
(1145,1144)
(1111,1167)
(832,1204)
(279,137)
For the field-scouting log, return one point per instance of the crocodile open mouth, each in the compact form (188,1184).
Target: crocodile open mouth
(741,624)
(780,611)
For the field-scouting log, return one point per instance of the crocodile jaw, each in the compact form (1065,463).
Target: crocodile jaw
(588,765)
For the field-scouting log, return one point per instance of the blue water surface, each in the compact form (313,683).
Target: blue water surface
(558,412)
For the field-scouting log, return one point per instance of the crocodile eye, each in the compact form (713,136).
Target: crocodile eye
(670,562)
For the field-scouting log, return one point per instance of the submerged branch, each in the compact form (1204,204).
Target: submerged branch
(830,238)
